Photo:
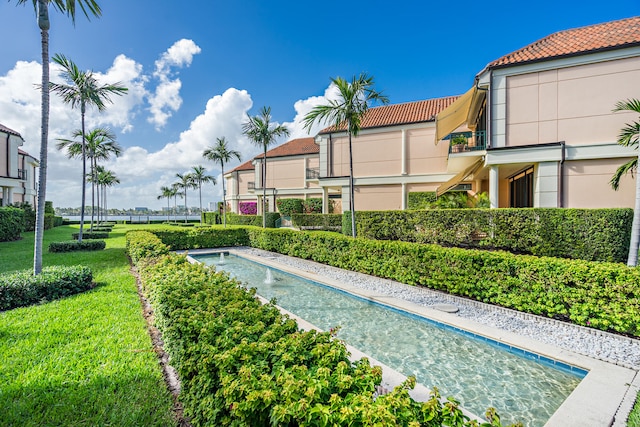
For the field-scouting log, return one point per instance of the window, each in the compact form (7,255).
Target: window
(521,189)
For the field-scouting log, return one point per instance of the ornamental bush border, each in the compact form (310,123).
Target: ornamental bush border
(244,363)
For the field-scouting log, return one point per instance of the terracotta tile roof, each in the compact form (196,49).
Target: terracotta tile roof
(398,114)
(295,147)
(5,129)
(607,36)
(246,166)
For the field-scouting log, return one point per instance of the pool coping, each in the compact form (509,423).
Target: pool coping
(596,401)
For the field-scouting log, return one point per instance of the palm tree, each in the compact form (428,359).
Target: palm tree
(100,144)
(41,8)
(220,153)
(105,178)
(263,133)
(82,89)
(167,193)
(629,137)
(186,182)
(348,110)
(199,176)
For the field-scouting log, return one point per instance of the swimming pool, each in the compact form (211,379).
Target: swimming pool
(480,372)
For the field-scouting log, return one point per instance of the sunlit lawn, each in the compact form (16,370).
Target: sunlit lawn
(85,360)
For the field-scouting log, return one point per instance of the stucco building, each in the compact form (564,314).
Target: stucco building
(17,170)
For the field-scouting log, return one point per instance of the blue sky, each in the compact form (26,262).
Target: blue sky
(195,71)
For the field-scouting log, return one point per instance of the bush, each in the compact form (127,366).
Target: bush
(421,200)
(248,208)
(22,288)
(314,206)
(328,222)
(11,223)
(212,218)
(256,220)
(589,234)
(600,295)
(244,363)
(287,207)
(90,235)
(29,215)
(142,244)
(74,245)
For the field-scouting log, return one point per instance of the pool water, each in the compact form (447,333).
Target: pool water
(479,372)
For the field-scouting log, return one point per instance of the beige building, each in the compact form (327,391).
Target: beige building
(292,172)
(17,170)
(547,111)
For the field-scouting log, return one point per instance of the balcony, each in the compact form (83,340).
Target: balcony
(23,174)
(465,142)
(313,173)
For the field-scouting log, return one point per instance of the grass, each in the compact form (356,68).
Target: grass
(634,416)
(82,360)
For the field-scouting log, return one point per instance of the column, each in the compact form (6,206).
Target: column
(325,200)
(494,186)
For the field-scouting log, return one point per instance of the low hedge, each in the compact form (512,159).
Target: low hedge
(201,237)
(328,222)
(91,235)
(11,223)
(142,244)
(211,218)
(589,234)
(256,220)
(601,295)
(22,288)
(244,363)
(74,245)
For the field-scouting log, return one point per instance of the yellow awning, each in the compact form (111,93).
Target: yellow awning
(461,176)
(454,115)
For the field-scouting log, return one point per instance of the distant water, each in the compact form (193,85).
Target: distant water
(134,218)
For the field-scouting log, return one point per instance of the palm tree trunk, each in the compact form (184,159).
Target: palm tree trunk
(224,199)
(93,186)
(186,206)
(84,175)
(200,194)
(168,208)
(634,243)
(43,22)
(352,204)
(264,189)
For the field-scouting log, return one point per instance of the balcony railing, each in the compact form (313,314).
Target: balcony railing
(22,174)
(465,142)
(251,185)
(313,173)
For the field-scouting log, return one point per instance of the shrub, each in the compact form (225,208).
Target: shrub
(142,244)
(48,208)
(314,206)
(212,218)
(22,288)
(589,234)
(287,207)
(74,245)
(328,222)
(244,363)
(29,215)
(248,208)
(11,223)
(90,235)
(421,200)
(256,220)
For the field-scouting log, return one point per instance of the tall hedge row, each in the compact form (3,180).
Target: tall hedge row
(596,294)
(589,234)
(11,223)
(243,363)
(329,222)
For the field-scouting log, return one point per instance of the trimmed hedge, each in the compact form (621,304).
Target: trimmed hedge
(198,238)
(421,199)
(212,218)
(11,223)
(288,207)
(601,295)
(91,235)
(328,222)
(22,288)
(74,245)
(589,234)
(256,220)
(244,363)
(29,215)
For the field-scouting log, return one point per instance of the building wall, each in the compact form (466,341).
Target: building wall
(587,185)
(378,197)
(572,104)
(423,156)
(3,155)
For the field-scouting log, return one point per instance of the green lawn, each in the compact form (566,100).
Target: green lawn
(85,360)
(634,417)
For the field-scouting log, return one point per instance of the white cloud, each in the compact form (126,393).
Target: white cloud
(304,106)
(166,98)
